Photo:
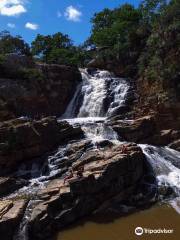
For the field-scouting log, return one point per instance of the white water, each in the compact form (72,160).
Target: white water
(98,96)
(102,94)
(92,117)
(94,91)
(99,90)
(162,160)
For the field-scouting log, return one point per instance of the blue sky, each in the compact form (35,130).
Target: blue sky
(30,17)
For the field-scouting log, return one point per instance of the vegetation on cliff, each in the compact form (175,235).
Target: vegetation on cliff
(159,61)
(57,48)
(142,40)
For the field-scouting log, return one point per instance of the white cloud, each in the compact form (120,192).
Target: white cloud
(12,7)
(32,26)
(11,25)
(59,14)
(72,14)
(13,10)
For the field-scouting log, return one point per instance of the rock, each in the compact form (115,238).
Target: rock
(95,63)
(69,132)
(15,61)
(120,110)
(104,143)
(4,207)
(143,130)
(11,212)
(175,145)
(47,90)
(106,174)
(22,140)
(162,138)
(136,130)
(118,67)
(8,185)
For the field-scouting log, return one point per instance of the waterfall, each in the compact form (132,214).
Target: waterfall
(102,94)
(98,96)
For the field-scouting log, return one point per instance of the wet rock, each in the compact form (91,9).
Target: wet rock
(175,145)
(104,143)
(143,130)
(165,191)
(120,110)
(106,174)
(22,140)
(68,132)
(114,207)
(11,212)
(8,185)
(136,130)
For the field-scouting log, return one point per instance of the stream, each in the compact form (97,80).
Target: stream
(98,97)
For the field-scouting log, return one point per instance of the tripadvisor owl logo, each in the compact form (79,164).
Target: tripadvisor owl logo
(139,231)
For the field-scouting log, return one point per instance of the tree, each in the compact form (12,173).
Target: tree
(49,47)
(160,59)
(118,29)
(15,45)
(112,26)
(151,10)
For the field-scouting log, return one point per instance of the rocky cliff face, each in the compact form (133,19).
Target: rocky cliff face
(44,90)
(115,66)
(22,140)
(157,95)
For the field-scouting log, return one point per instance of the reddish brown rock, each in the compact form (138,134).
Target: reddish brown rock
(106,174)
(11,213)
(22,140)
(46,90)
(136,130)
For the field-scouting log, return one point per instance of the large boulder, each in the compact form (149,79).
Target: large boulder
(136,130)
(106,174)
(146,129)
(23,139)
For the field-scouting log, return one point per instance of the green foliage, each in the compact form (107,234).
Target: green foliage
(42,46)
(151,10)
(146,38)
(57,48)
(25,74)
(30,74)
(15,45)
(120,32)
(112,27)
(161,57)
(143,40)
(2,61)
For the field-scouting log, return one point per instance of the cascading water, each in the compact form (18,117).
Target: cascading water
(98,96)
(165,162)
(103,94)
